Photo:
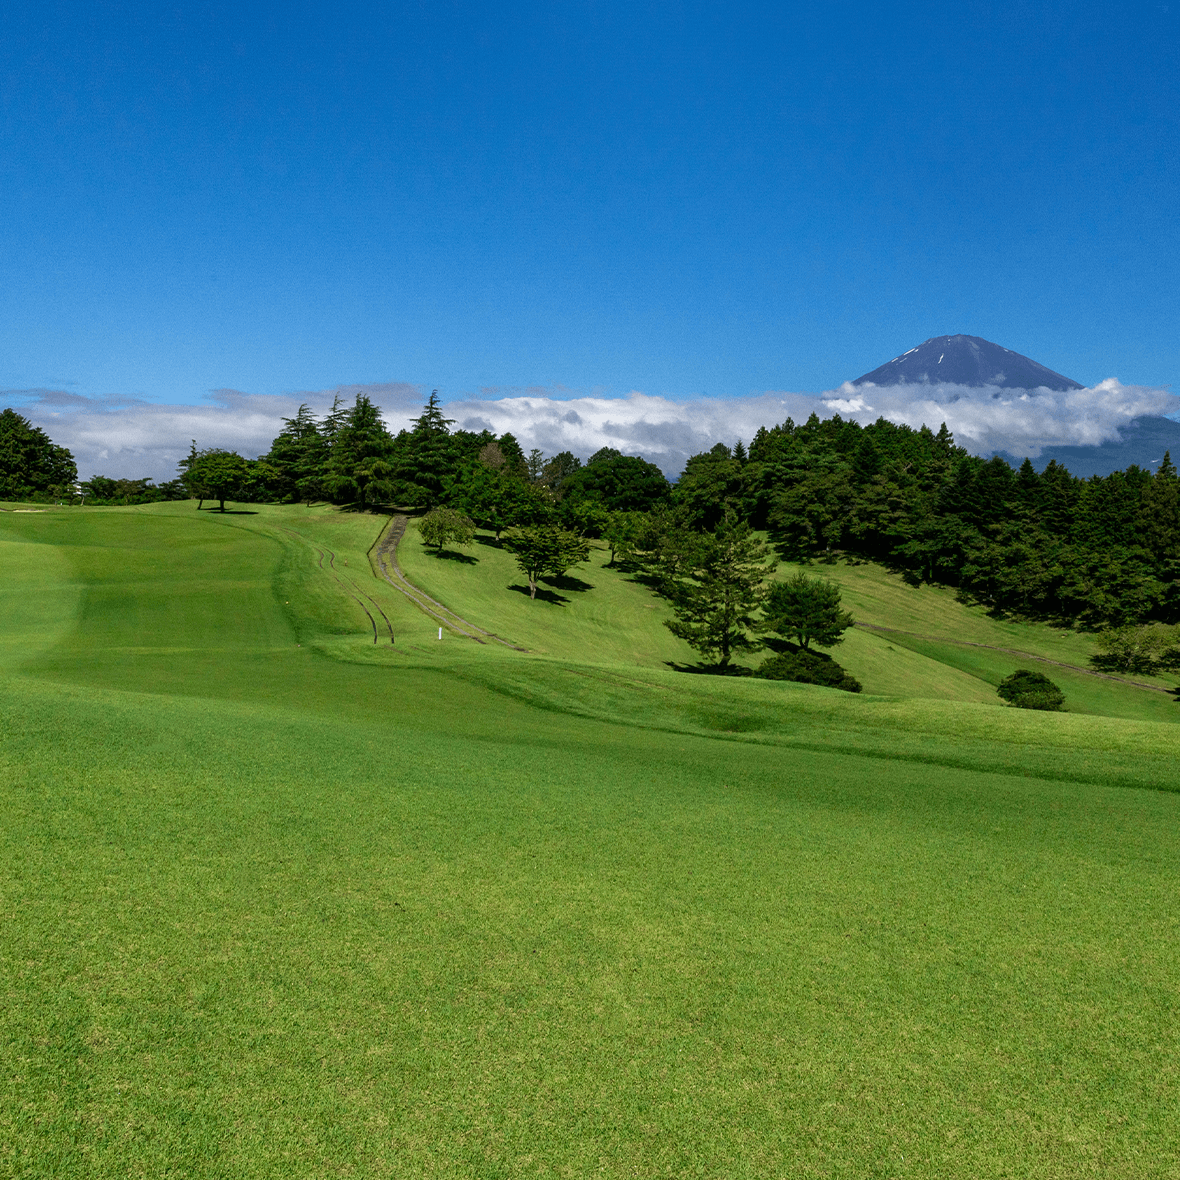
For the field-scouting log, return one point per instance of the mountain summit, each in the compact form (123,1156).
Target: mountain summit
(966,360)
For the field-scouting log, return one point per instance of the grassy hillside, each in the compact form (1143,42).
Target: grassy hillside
(911,643)
(277,901)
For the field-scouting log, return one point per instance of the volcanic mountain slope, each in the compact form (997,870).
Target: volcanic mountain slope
(966,360)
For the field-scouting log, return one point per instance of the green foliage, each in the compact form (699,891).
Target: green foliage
(215,474)
(358,465)
(546,551)
(806,610)
(102,490)
(1031,690)
(31,465)
(1098,551)
(622,532)
(496,497)
(588,518)
(556,473)
(718,590)
(445,526)
(711,484)
(807,667)
(425,457)
(300,453)
(620,483)
(1143,651)
(660,544)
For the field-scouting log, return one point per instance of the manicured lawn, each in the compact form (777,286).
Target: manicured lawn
(938,631)
(441,910)
(596,613)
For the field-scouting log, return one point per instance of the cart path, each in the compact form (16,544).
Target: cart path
(384,556)
(1011,651)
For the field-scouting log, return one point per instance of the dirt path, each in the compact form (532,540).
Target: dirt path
(384,558)
(1011,651)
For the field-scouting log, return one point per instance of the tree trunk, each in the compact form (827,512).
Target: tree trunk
(532,587)
(222,502)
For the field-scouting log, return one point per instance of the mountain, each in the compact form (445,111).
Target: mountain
(966,360)
(1142,441)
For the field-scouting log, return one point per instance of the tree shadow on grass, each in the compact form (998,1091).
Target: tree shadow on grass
(710,669)
(490,541)
(565,582)
(230,511)
(454,555)
(543,595)
(776,645)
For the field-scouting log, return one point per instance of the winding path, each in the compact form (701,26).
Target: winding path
(383,555)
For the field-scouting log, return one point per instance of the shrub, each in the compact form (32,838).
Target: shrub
(1031,690)
(808,667)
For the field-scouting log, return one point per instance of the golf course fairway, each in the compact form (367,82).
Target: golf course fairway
(282,898)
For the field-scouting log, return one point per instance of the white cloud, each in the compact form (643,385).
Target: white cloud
(1020,421)
(135,438)
(130,438)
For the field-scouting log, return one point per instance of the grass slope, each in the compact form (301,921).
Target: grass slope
(935,627)
(441,910)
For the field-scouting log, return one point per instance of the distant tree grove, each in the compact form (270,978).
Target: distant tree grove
(1102,552)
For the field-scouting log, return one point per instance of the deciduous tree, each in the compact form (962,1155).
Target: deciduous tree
(214,474)
(546,551)
(31,464)
(445,526)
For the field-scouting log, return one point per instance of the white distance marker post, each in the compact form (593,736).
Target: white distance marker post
(440,632)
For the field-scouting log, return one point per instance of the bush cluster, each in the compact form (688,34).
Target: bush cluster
(808,667)
(1031,690)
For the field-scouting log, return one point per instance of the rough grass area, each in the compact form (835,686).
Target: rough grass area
(345,909)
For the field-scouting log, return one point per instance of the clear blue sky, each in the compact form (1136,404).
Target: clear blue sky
(677,198)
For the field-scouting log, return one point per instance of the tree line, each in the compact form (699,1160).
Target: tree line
(1102,552)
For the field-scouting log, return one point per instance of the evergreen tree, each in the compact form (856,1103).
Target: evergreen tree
(715,603)
(358,466)
(298,455)
(807,610)
(425,457)
(1159,513)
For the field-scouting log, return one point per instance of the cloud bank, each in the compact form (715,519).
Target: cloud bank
(134,438)
(988,418)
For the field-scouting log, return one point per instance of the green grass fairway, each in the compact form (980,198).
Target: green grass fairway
(946,637)
(277,901)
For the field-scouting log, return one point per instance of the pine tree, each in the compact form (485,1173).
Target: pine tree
(807,610)
(715,604)
(298,455)
(1159,514)
(358,466)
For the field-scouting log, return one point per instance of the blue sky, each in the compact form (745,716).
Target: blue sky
(681,199)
